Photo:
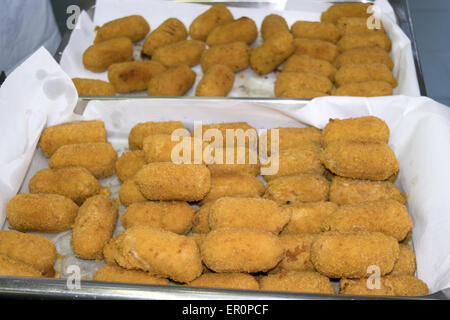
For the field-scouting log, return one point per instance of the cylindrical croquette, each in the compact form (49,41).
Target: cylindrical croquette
(159,148)
(174,216)
(348,25)
(362,40)
(241,250)
(169,181)
(71,133)
(129,163)
(364,55)
(143,129)
(172,82)
(41,212)
(272,24)
(170,31)
(134,27)
(93,227)
(93,87)
(113,273)
(364,89)
(272,52)
(35,250)
(254,213)
(290,137)
(216,82)
(182,52)
(386,216)
(159,252)
(349,255)
(308,217)
(235,55)
(75,183)
(364,72)
(315,30)
(133,75)
(297,281)
(360,160)
(16,268)
(351,191)
(364,129)
(242,161)
(231,280)
(350,9)
(99,158)
(200,221)
(297,81)
(297,248)
(129,193)
(316,48)
(304,63)
(98,57)
(297,188)
(406,263)
(203,24)
(390,285)
(242,29)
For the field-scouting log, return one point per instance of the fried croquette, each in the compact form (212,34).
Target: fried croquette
(364,89)
(349,255)
(243,161)
(297,249)
(360,160)
(99,158)
(364,55)
(272,24)
(304,63)
(226,281)
(75,183)
(174,81)
(169,181)
(161,148)
(308,217)
(35,250)
(390,285)
(348,25)
(350,9)
(98,57)
(235,55)
(291,137)
(133,75)
(16,268)
(182,52)
(242,29)
(241,250)
(216,82)
(134,27)
(203,24)
(41,212)
(71,133)
(174,216)
(161,253)
(129,163)
(361,40)
(272,52)
(170,31)
(316,48)
(113,273)
(406,263)
(352,191)
(92,87)
(129,193)
(144,129)
(254,213)
(297,281)
(200,221)
(298,81)
(315,30)
(364,72)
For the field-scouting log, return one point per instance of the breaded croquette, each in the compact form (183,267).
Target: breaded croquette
(98,57)
(272,24)
(16,268)
(41,212)
(304,63)
(297,249)
(364,72)
(315,30)
(35,250)
(129,193)
(243,281)
(161,148)
(133,75)
(406,263)
(361,40)
(243,161)
(241,250)
(316,48)
(235,55)
(75,183)
(170,31)
(291,137)
(349,255)
(129,163)
(364,89)
(364,55)
(113,273)
(161,253)
(200,221)
(348,25)
(182,52)
(242,29)
(297,281)
(351,191)
(360,160)
(298,81)
(174,216)
(134,27)
(254,213)
(169,181)
(174,81)
(99,158)
(93,87)
(216,82)
(350,9)
(308,217)
(71,133)
(203,24)
(144,129)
